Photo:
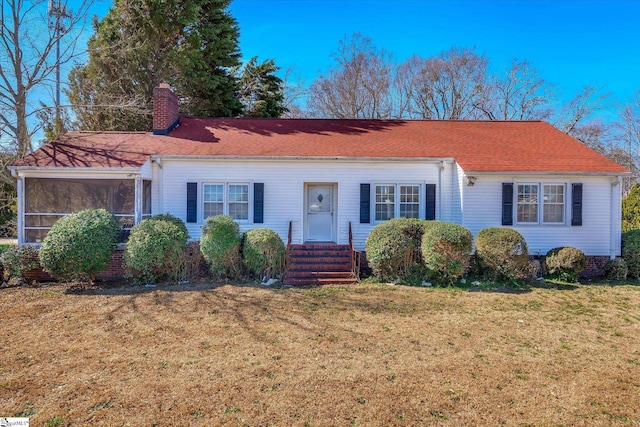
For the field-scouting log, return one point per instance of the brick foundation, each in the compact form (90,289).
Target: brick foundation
(113,272)
(115,269)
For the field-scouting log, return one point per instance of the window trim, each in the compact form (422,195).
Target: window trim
(225,199)
(397,202)
(541,203)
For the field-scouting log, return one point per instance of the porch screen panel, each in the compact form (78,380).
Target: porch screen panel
(47,200)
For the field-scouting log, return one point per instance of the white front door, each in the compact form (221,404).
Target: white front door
(320,210)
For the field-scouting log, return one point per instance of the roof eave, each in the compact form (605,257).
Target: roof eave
(561,173)
(75,169)
(290,158)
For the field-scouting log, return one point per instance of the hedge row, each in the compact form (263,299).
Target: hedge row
(406,250)
(79,246)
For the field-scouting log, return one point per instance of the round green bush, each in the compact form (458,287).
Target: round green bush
(19,259)
(174,220)
(631,252)
(263,252)
(154,250)
(393,249)
(616,269)
(220,245)
(80,244)
(502,254)
(446,250)
(565,263)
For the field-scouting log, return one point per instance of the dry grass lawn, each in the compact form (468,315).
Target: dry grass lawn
(352,355)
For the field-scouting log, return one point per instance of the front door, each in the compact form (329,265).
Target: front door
(320,210)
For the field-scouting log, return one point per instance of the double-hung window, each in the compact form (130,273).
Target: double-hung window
(226,199)
(534,209)
(397,200)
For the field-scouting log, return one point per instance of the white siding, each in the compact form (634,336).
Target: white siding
(146,170)
(284,183)
(482,208)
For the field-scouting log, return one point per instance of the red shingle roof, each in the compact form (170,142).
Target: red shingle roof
(478,146)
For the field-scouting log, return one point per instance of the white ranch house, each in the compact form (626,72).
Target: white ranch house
(321,176)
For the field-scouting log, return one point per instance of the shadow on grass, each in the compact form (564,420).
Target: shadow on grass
(107,288)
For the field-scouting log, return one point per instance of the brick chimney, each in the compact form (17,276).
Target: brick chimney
(165,109)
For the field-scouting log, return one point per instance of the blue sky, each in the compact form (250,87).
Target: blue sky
(570,42)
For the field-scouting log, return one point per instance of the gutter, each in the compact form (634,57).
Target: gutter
(74,169)
(306,158)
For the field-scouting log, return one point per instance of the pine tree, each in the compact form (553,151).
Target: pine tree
(261,91)
(193,46)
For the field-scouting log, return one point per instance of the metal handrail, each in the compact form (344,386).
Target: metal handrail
(287,249)
(355,267)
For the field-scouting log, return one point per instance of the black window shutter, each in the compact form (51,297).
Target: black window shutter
(507,203)
(365,203)
(192,202)
(258,202)
(576,204)
(430,211)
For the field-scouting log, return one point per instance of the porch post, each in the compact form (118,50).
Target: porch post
(20,194)
(138,200)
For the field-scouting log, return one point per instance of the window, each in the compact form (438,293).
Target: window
(531,211)
(397,200)
(553,206)
(146,199)
(385,202)
(213,200)
(239,201)
(410,201)
(226,199)
(528,203)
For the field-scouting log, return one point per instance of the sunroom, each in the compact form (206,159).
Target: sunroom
(46,197)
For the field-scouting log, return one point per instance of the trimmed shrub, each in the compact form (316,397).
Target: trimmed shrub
(631,252)
(80,245)
(174,220)
(393,249)
(17,260)
(155,249)
(220,245)
(446,250)
(263,252)
(565,263)
(616,269)
(502,253)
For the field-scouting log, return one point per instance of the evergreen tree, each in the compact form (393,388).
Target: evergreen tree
(193,46)
(631,210)
(260,91)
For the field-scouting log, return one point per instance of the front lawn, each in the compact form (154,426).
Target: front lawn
(366,354)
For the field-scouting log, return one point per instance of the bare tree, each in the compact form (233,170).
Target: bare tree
(629,137)
(28,63)
(358,87)
(521,94)
(581,108)
(295,91)
(445,87)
